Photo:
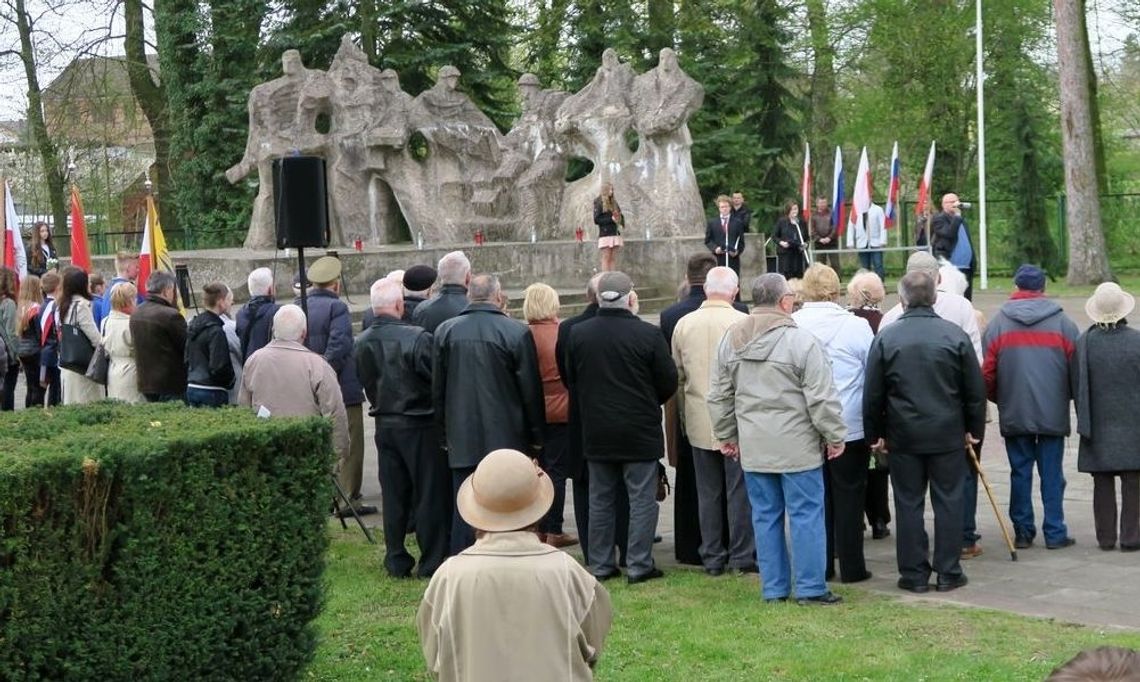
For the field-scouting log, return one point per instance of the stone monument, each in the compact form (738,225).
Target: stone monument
(435,167)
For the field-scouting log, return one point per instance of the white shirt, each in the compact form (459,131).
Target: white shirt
(871,235)
(846,338)
(952,308)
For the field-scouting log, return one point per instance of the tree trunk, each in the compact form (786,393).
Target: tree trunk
(1094,107)
(152,100)
(1088,259)
(49,155)
(821,122)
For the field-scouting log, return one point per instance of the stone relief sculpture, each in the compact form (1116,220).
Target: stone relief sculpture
(435,166)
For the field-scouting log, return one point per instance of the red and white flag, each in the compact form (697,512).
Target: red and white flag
(15,257)
(891,210)
(154,256)
(805,184)
(861,199)
(80,255)
(925,183)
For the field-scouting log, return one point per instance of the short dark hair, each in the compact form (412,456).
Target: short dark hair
(917,289)
(699,266)
(159,282)
(214,292)
(788,204)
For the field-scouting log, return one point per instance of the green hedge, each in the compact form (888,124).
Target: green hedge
(160,543)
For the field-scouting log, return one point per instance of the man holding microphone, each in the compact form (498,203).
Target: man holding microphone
(724,235)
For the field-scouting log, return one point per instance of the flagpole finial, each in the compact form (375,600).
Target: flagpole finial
(147,184)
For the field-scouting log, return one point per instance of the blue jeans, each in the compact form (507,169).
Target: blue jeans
(1046,452)
(799,496)
(205,397)
(872,260)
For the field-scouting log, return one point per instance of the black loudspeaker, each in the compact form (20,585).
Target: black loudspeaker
(300,202)
(185,286)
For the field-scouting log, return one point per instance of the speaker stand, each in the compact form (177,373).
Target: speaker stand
(304,283)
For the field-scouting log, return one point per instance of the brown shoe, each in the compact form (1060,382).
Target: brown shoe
(561,540)
(971,552)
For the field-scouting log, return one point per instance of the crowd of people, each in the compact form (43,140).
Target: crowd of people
(791,418)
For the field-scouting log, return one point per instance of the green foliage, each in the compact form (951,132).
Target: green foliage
(160,543)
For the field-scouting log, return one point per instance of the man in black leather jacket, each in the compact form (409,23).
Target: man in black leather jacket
(454,277)
(393,360)
(924,396)
(486,389)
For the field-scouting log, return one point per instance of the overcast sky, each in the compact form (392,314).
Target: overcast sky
(88,26)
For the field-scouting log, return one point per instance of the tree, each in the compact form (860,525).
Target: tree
(820,125)
(1088,259)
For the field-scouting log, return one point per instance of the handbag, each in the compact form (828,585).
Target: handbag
(75,349)
(100,362)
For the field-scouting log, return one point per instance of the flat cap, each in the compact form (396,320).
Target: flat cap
(614,285)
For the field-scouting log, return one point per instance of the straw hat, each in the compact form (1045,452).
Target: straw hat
(507,492)
(1109,304)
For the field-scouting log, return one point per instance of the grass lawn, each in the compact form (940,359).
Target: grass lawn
(692,627)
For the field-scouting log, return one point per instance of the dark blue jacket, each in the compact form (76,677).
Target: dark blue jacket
(330,335)
(673,314)
(255,324)
(448,303)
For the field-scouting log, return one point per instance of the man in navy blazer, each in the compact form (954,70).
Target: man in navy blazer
(724,235)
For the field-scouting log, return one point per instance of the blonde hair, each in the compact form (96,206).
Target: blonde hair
(123,296)
(820,283)
(31,296)
(723,198)
(865,289)
(540,302)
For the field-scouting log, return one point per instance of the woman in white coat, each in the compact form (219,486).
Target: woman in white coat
(122,376)
(75,309)
(846,338)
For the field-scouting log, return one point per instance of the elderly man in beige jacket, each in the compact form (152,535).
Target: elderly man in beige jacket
(720,480)
(285,379)
(773,402)
(511,608)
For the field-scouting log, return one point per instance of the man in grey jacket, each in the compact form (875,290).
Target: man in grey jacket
(772,400)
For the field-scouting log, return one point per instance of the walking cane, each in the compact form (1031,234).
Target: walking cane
(993,502)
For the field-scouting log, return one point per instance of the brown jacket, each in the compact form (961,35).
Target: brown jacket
(290,380)
(512,609)
(545,333)
(159,332)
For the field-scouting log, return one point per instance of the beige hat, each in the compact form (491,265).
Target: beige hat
(324,270)
(1109,304)
(508,491)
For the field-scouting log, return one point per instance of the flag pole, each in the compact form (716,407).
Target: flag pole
(980,85)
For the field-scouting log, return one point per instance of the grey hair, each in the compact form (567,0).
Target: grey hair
(385,293)
(484,289)
(289,323)
(592,288)
(622,302)
(917,289)
(260,282)
(721,280)
(159,282)
(769,288)
(454,268)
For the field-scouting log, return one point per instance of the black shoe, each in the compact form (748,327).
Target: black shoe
(952,583)
(858,579)
(657,539)
(610,575)
(1066,542)
(1023,542)
(880,531)
(917,588)
(1109,548)
(776,600)
(825,599)
(651,575)
(361,510)
(746,570)
(715,571)
(1129,548)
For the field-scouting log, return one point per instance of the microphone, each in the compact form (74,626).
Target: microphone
(965,205)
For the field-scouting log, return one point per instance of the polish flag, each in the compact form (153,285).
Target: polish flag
(837,193)
(15,257)
(153,256)
(805,184)
(892,208)
(925,183)
(80,256)
(861,198)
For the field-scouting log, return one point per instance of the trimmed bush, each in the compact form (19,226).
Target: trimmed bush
(158,542)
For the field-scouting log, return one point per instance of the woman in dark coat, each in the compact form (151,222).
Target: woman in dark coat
(41,250)
(608,218)
(1105,373)
(789,235)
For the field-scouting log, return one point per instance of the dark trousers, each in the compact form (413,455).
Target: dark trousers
(911,475)
(462,535)
(205,397)
(845,479)
(54,389)
(969,273)
(686,517)
(8,387)
(554,462)
(878,504)
(415,480)
(35,394)
(164,397)
(1104,508)
(970,534)
(639,479)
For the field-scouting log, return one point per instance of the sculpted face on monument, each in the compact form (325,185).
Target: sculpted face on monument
(463,175)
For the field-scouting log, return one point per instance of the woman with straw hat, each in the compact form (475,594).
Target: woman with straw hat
(1105,376)
(559,614)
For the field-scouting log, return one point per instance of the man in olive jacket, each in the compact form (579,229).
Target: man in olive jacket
(923,398)
(486,389)
(159,331)
(621,371)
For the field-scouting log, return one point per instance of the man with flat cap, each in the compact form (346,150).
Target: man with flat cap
(511,607)
(417,282)
(330,335)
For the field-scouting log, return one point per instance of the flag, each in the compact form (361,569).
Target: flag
(80,256)
(837,193)
(861,197)
(153,256)
(925,182)
(15,257)
(892,208)
(805,184)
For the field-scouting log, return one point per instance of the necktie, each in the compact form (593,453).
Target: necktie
(724,224)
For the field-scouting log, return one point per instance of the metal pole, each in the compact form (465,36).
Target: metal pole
(980,78)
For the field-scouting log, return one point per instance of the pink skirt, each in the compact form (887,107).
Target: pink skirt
(609,242)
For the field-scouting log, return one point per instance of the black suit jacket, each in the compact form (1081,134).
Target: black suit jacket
(715,237)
